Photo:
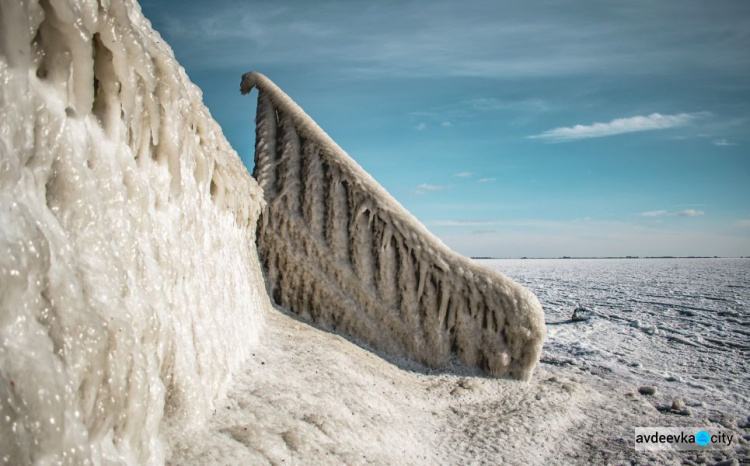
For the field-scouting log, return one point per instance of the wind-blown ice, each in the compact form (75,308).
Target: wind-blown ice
(337,248)
(129,283)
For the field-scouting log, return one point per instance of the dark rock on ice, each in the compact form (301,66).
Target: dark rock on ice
(672,410)
(678,407)
(647,390)
(581,313)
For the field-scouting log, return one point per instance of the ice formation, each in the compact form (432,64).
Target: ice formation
(130,284)
(338,249)
(130,288)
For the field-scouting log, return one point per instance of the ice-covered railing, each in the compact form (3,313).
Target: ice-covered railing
(130,287)
(337,248)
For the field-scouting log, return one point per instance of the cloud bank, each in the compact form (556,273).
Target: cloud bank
(683,213)
(652,122)
(723,143)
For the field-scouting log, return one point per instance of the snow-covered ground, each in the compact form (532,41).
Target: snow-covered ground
(308,396)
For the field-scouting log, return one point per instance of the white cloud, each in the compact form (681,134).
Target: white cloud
(689,213)
(655,121)
(427,188)
(654,213)
(486,180)
(683,213)
(723,142)
(463,175)
(445,124)
(421,126)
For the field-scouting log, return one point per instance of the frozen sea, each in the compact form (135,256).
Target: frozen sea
(680,325)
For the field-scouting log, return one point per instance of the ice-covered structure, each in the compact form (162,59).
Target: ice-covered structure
(130,287)
(130,284)
(338,249)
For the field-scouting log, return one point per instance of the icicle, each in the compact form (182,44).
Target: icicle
(314,209)
(288,177)
(265,145)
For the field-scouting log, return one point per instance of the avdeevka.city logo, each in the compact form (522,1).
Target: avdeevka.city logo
(702,438)
(679,438)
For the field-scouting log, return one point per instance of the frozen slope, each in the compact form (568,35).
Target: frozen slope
(337,248)
(130,288)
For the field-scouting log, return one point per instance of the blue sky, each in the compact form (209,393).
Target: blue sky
(510,129)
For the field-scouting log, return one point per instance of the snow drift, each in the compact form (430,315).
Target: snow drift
(338,249)
(129,283)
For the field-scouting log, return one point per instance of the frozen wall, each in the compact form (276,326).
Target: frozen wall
(129,283)
(337,248)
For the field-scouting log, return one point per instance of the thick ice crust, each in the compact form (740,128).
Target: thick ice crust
(129,283)
(337,248)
